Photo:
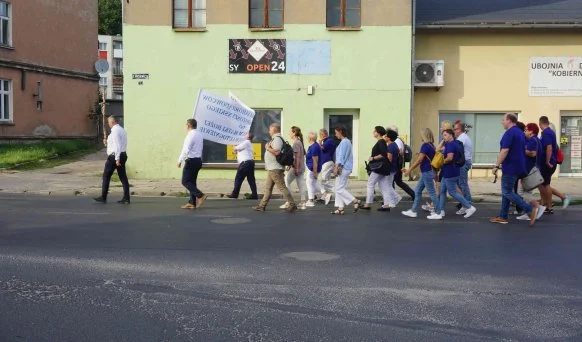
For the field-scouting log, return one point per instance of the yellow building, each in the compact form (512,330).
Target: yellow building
(500,56)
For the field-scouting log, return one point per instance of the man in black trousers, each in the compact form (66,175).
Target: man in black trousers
(246,168)
(398,176)
(191,156)
(116,158)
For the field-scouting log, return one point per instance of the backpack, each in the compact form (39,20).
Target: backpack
(407,154)
(286,155)
(459,158)
(559,156)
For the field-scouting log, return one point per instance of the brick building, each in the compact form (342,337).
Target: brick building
(47,80)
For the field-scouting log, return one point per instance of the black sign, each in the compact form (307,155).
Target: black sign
(256,56)
(140,76)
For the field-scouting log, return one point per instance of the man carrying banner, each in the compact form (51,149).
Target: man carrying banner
(246,168)
(191,156)
(275,174)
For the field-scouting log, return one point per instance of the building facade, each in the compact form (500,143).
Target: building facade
(308,63)
(47,80)
(514,56)
(111,50)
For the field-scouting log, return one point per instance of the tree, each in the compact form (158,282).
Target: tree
(110,21)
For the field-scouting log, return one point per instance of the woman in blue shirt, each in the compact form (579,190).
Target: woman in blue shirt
(450,173)
(533,147)
(344,163)
(314,164)
(427,152)
(392,156)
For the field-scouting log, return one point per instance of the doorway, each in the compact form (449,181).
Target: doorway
(570,139)
(348,119)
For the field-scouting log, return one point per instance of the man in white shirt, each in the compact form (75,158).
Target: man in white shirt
(116,158)
(460,133)
(398,175)
(246,168)
(275,174)
(191,156)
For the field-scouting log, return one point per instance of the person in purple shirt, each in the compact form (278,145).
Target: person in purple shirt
(511,160)
(328,147)
(451,173)
(548,166)
(392,156)
(313,163)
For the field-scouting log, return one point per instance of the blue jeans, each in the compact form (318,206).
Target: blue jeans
(426,181)
(450,184)
(508,196)
(464,181)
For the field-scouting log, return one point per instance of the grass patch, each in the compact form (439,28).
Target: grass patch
(43,154)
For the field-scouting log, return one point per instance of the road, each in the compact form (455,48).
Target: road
(72,270)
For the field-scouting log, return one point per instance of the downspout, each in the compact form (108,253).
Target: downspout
(412,57)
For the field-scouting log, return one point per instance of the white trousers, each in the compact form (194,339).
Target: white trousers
(342,196)
(382,181)
(312,185)
(392,194)
(300,180)
(325,174)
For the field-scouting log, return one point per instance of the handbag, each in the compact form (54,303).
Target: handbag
(437,161)
(532,180)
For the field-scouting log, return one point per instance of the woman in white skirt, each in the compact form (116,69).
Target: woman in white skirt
(344,163)
(314,165)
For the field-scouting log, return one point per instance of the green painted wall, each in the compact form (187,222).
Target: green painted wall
(370,72)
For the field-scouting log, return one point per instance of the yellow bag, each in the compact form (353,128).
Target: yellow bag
(437,161)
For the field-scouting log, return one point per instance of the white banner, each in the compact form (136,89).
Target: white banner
(222,120)
(555,76)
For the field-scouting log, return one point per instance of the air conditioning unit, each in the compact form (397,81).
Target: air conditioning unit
(429,73)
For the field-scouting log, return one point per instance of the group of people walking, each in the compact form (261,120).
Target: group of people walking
(444,169)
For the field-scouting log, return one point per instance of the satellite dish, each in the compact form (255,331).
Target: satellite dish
(101,66)
(425,73)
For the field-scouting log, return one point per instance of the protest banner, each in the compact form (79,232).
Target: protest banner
(223,120)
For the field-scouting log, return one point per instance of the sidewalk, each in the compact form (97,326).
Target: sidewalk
(84,178)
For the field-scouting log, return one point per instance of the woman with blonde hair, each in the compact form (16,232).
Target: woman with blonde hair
(427,152)
(445,124)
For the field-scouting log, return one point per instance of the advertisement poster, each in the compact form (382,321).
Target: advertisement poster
(555,76)
(257,56)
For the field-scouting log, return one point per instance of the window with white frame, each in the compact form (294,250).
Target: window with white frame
(189,13)
(5,24)
(485,131)
(103,82)
(5,100)
(102,46)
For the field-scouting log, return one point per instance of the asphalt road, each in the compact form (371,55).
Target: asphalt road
(72,270)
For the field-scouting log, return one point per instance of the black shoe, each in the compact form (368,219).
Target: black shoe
(231,196)
(124,201)
(383,209)
(459,206)
(100,199)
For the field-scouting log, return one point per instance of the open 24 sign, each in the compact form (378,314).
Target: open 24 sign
(256,56)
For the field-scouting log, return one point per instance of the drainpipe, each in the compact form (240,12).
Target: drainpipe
(412,57)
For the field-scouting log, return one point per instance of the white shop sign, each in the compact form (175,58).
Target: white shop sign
(555,76)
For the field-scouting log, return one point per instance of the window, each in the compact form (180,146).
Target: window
(343,13)
(216,153)
(5,100)
(189,13)
(5,27)
(266,13)
(103,82)
(117,66)
(485,131)
(102,46)
(117,45)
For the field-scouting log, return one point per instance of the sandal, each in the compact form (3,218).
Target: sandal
(549,212)
(357,205)
(338,212)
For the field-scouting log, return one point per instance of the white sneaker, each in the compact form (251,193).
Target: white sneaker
(302,206)
(310,204)
(409,213)
(541,211)
(524,217)
(461,211)
(427,207)
(327,198)
(470,212)
(442,213)
(398,200)
(284,206)
(434,216)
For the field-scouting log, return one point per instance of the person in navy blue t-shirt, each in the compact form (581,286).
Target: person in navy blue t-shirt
(392,155)
(548,165)
(313,162)
(328,147)
(511,159)
(451,172)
